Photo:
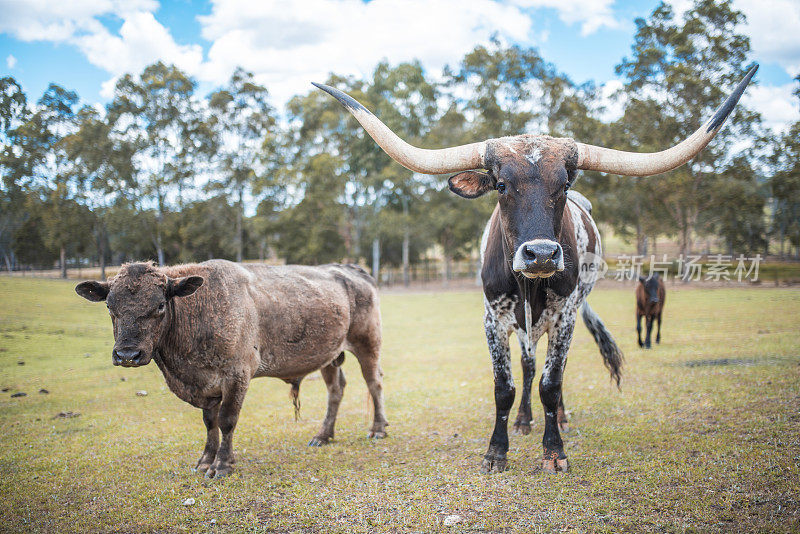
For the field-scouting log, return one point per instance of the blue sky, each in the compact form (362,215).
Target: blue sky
(85,45)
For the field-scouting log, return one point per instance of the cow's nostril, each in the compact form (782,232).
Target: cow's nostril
(128,355)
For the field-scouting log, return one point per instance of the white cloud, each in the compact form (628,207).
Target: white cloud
(774,30)
(45,20)
(590,14)
(772,26)
(776,104)
(289,45)
(11,61)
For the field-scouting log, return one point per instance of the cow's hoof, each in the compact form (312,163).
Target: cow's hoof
(377,434)
(202,467)
(493,464)
(521,428)
(555,465)
(219,471)
(319,441)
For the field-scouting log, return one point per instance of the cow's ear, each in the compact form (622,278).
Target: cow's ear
(91,290)
(183,287)
(642,279)
(470,184)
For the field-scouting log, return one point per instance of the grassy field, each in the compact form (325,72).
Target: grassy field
(704,436)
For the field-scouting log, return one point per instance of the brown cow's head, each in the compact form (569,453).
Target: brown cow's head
(139,300)
(531,175)
(650,285)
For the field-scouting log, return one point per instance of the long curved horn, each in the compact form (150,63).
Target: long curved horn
(595,158)
(458,158)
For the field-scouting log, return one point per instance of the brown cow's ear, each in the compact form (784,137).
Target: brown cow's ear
(183,287)
(470,184)
(91,290)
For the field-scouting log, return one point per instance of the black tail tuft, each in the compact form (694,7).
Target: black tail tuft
(612,355)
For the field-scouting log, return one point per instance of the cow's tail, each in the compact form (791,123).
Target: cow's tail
(612,355)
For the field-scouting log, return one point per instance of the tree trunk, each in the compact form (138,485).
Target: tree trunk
(102,248)
(445,269)
(406,244)
(239,230)
(159,219)
(63,262)
(8,262)
(376,259)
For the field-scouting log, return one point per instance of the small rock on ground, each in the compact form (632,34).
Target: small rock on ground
(451,520)
(43,391)
(189,501)
(66,415)
(141,393)
(18,394)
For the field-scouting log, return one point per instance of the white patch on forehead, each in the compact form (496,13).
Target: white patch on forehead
(534,155)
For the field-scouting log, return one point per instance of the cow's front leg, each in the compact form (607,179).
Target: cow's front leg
(497,337)
(648,320)
(639,329)
(232,398)
(212,438)
(558,340)
(658,335)
(524,417)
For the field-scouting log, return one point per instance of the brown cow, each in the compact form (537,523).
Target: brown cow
(212,327)
(650,295)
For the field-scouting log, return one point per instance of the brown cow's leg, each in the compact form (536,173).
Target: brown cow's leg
(649,325)
(524,417)
(212,439)
(232,398)
(334,379)
(368,358)
(639,328)
(658,334)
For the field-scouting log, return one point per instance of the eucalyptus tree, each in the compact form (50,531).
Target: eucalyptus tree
(407,101)
(244,125)
(13,113)
(785,184)
(62,218)
(678,73)
(156,113)
(102,172)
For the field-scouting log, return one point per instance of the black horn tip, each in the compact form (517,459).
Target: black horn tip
(346,100)
(727,107)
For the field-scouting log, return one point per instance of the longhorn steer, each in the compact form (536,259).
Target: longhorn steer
(212,327)
(536,244)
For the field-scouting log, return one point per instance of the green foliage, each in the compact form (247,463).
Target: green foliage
(679,72)
(166,175)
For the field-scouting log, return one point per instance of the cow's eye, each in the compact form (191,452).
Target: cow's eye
(161,307)
(501,187)
(566,187)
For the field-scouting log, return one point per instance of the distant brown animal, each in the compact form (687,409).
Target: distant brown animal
(212,327)
(650,295)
